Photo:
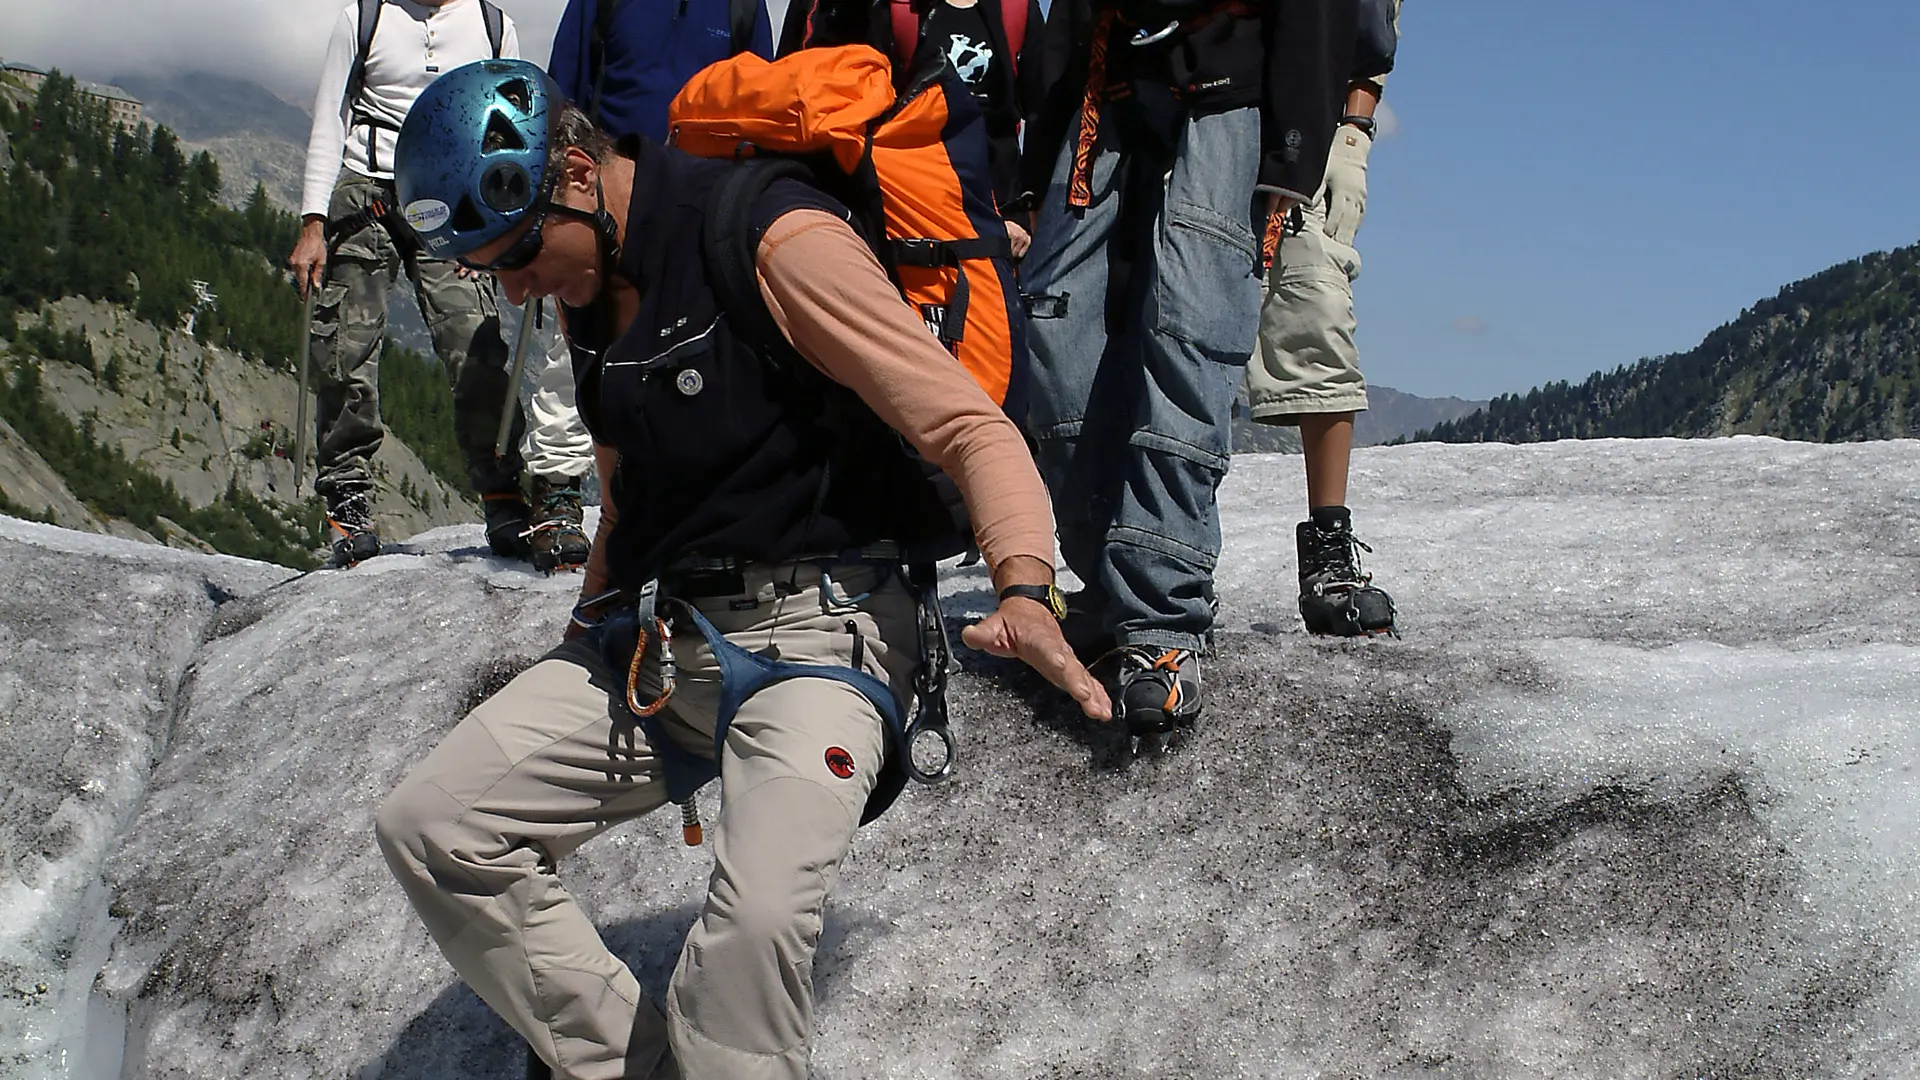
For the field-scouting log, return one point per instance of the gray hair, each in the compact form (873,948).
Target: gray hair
(577,130)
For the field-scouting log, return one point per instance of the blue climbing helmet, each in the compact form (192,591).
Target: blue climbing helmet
(470,163)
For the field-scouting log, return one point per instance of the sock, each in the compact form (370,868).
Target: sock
(1331,517)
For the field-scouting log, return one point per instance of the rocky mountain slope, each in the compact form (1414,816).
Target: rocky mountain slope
(195,416)
(147,347)
(256,137)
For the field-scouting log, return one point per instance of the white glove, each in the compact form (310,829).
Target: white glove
(1347,183)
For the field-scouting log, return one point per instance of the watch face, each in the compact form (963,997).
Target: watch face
(1057,602)
(1049,596)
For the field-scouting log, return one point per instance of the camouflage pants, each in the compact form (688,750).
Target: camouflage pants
(350,323)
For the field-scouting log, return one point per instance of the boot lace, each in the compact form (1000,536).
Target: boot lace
(1336,559)
(351,510)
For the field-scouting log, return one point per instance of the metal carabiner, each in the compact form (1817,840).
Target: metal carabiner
(947,748)
(668,669)
(1141,37)
(930,681)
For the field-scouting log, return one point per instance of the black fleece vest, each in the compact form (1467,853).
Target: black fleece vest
(724,452)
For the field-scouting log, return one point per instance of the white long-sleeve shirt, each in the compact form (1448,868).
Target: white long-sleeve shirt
(413,44)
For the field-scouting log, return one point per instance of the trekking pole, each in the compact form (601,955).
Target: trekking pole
(528,312)
(300,389)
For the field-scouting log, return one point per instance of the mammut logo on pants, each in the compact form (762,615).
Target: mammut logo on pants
(839,763)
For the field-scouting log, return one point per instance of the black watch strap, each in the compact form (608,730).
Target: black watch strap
(1049,595)
(1364,123)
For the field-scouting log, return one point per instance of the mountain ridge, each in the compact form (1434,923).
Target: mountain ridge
(1834,357)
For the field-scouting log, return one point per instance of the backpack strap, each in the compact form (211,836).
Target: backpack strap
(732,242)
(603,13)
(496,25)
(741,15)
(357,75)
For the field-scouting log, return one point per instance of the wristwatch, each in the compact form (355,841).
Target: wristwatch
(1054,600)
(1364,123)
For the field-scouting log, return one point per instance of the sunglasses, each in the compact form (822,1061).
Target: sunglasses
(522,252)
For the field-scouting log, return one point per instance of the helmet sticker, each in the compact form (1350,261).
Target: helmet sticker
(427,215)
(839,762)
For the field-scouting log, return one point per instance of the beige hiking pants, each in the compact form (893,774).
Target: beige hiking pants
(1307,362)
(476,832)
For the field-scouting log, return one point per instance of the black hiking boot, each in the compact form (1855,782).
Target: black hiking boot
(509,521)
(558,542)
(1336,596)
(350,526)
(1155,691)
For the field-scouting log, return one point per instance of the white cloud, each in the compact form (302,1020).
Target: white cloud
(1387,121)
(277,43)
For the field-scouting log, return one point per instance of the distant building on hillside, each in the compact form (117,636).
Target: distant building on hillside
(122,108)
(25,74)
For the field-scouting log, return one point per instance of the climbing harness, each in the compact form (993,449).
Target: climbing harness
(643,625)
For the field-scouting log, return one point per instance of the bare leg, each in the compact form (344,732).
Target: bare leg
(1327,441)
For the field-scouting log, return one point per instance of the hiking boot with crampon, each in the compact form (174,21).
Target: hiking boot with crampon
(350,526)
(509,521)
(557,539)
(1155,691)
(1336,597)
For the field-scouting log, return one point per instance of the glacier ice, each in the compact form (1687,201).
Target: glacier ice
(1633,797)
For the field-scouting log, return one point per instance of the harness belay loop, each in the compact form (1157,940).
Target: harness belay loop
(744,673)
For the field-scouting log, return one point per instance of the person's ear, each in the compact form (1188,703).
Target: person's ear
(582,173)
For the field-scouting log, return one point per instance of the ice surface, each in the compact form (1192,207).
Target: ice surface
(95,636)
(1633,798)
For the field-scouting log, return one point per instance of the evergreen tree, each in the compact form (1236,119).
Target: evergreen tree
(1805,364)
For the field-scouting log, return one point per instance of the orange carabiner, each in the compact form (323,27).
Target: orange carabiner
(667,670)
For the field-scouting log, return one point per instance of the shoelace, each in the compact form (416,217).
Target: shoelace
(352,513)
(1166,662)
(552,505)
(1338,548)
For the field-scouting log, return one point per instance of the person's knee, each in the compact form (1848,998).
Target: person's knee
(789,836)
(408,827)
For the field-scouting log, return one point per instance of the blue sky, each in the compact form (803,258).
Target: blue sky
(1575,186)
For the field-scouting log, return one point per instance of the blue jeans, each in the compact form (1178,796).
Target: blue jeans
(1133,387)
